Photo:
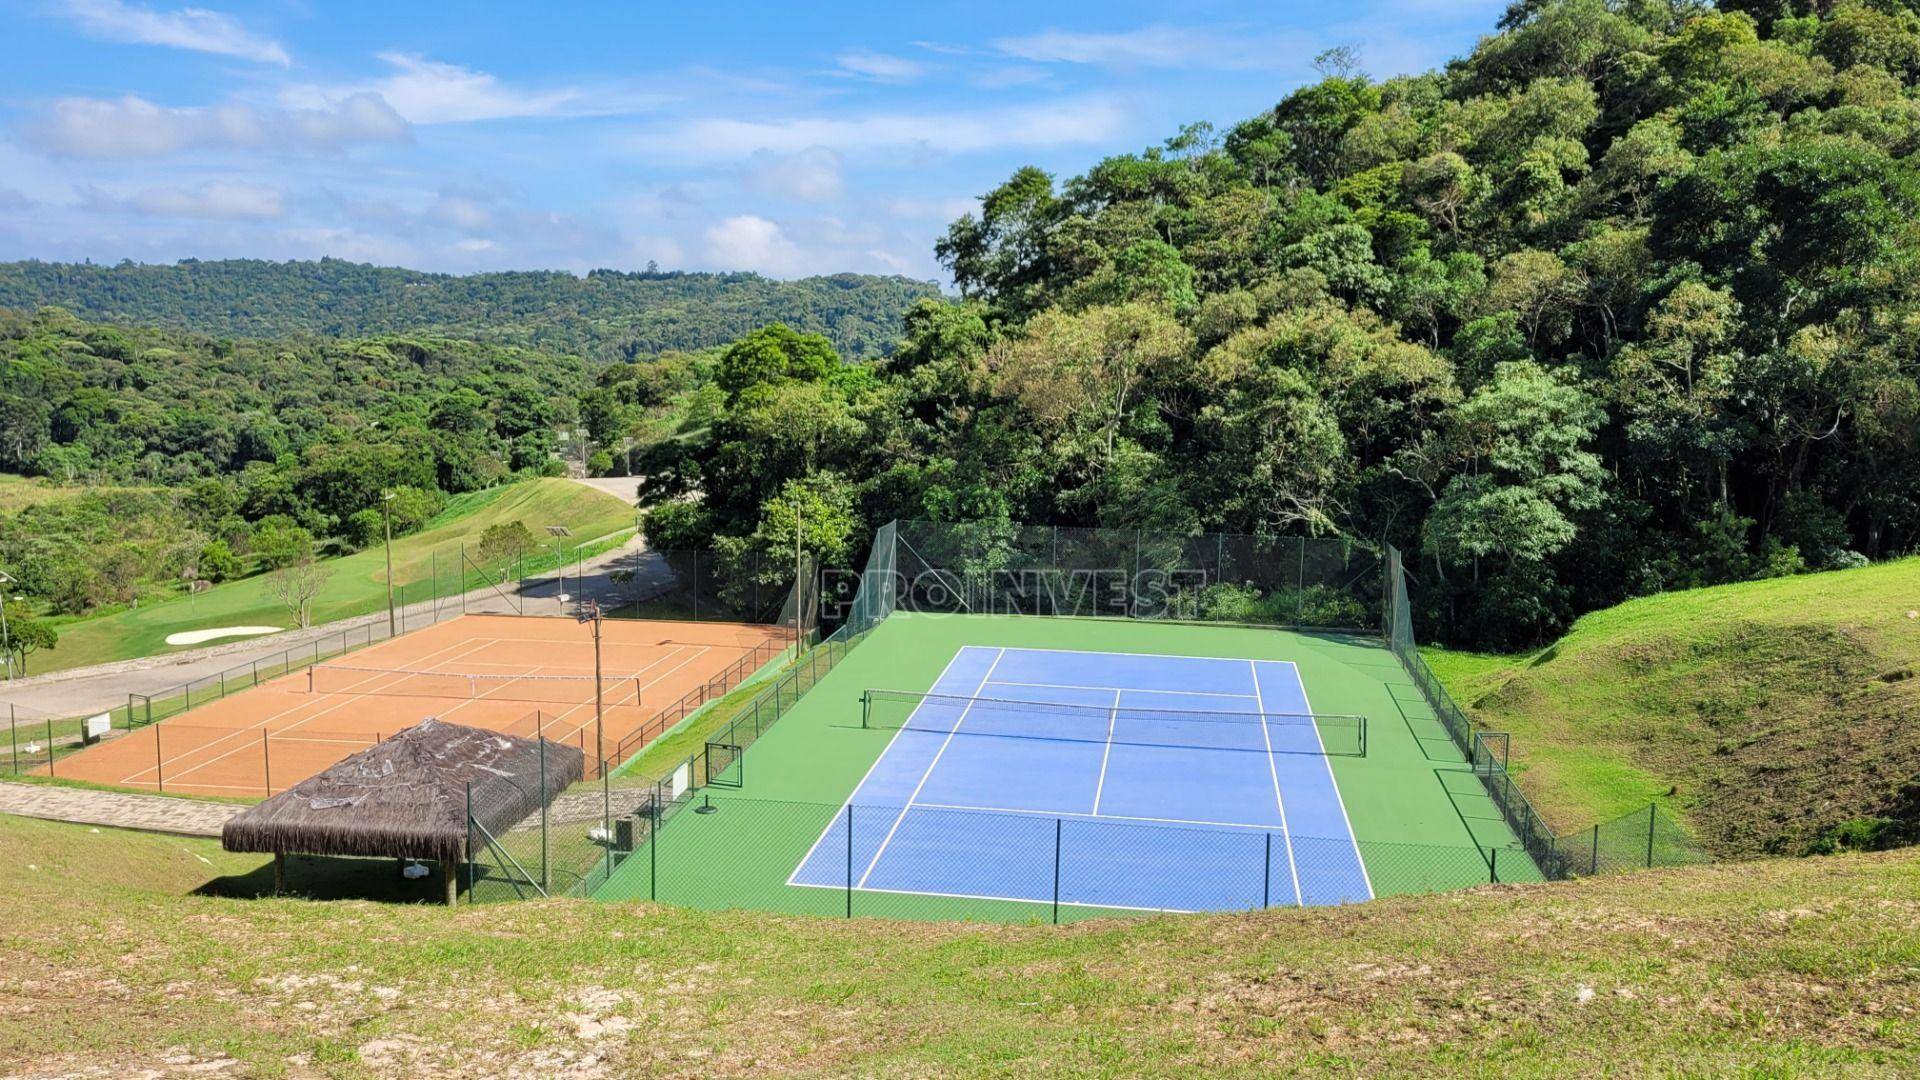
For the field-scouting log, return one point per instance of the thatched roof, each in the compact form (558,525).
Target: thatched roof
(407,797)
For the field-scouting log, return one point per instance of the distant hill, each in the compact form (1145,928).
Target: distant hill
(606,315)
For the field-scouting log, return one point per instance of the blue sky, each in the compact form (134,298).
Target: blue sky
(716,136)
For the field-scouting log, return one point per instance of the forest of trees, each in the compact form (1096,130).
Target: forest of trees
(606,315)
(1623,301)
(207,457)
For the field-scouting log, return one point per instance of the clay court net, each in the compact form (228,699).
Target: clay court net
(395,682)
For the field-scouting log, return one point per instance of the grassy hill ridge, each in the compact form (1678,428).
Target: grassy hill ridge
(1770,968)
(1768,714)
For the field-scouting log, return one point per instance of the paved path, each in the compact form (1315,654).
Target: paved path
(148,813)
(80,691)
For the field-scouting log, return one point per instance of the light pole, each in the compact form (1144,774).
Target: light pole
(386,532)
(590,612)
(6,635)
(799,605)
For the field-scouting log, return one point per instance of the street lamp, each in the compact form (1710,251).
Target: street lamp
(590,612)
(386,531)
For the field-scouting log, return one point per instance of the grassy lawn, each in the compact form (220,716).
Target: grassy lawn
(20,492)
(357,584)
(130,952)
(1764,713)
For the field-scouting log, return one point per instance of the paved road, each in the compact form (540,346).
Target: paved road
(79,691)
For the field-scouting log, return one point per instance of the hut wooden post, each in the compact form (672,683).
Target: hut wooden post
(449,867)
(279,872)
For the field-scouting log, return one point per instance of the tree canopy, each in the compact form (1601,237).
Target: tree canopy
(1624,300)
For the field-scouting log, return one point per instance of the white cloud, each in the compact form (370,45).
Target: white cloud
(214,201)
(133,127)
(14,199)
(812,175)
(880,66)
(747,242)
(463,212)
(1156,47)
(1011,75)
(428,91)
(195,29)
(944,210)
(1079,121)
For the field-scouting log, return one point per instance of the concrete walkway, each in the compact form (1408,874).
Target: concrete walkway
(119,810)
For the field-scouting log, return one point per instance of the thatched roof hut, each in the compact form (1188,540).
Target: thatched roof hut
(407,797)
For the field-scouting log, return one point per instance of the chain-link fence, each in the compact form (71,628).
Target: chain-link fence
(35,744)
(1656,839)
(627,833)
(996,568)
(1634,841)
(571,851)
(860,860)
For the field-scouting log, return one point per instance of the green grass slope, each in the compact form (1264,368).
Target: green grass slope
(124,956)
(357,582)
(1764,713)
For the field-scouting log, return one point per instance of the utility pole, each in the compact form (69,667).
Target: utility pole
(386,530)
(590,612)
(6,635)
(799,605)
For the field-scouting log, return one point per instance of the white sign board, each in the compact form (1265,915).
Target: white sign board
(682,780)
(97,727)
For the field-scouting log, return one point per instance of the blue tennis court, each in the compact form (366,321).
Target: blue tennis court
(1111,780)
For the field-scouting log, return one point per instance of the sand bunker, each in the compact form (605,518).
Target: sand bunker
(201,637)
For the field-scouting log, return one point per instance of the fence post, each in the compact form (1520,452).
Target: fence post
(546,874)
(1266,877)
(1652,809)
(1056,871)
(653,844)
(266,761)
(849,860)
(1593,865)
(50,754)
(1493,866)
(13,737)
(159,761)
(470,859)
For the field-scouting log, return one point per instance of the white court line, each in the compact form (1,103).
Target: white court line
(1365,878)
(901,730)
(639,697)
(931,765)
(236,732)
(1128,689)
(1113,719)
(1154,655)
(1273,770)
(1024,812)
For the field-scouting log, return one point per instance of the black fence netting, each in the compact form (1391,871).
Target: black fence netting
(726,852)
(593,827)
(671,823)
(1638,840)
(996,568)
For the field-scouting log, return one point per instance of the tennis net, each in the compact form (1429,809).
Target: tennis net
(1206,729)
(398,682)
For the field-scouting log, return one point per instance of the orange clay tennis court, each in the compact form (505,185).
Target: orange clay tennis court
(517,674)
